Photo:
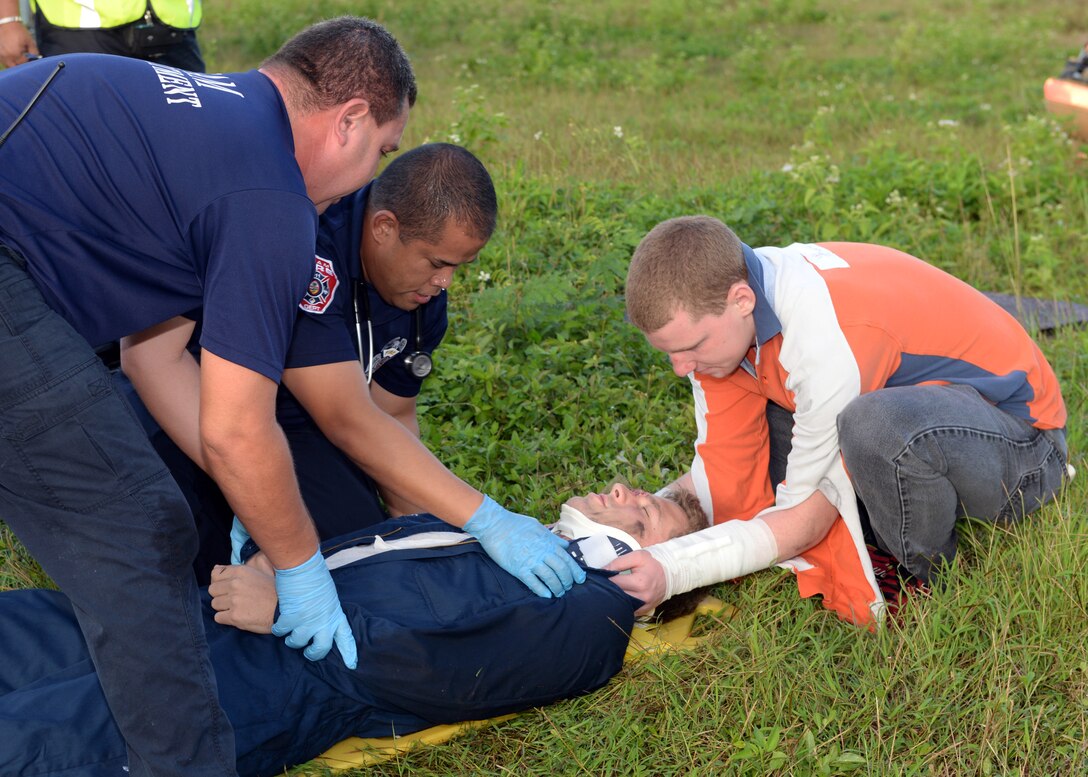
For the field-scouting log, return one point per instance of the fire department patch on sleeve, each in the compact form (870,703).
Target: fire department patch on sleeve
(322,287)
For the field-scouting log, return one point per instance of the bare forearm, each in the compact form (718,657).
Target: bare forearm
(182,422)
(246,452)
(394,502)
(169,387)
(337,398)
(726,550)
(408,471)
(15,40)
(255,472)
(796,529)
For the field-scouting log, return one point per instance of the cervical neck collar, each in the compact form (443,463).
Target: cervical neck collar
(592,542)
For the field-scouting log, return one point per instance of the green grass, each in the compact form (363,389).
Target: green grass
(918,125)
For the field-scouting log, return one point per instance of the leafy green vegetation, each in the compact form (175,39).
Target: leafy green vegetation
(917,125)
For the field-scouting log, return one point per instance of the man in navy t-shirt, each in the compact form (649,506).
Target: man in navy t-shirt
(394,245)
(131,192)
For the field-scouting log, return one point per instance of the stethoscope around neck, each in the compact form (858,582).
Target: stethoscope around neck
(418,362)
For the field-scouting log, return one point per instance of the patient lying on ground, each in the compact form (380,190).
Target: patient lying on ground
(444,635)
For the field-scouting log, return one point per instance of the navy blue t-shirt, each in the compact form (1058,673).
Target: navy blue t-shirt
(325,330)
(137,192)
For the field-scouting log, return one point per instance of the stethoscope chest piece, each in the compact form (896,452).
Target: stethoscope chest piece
(418,362)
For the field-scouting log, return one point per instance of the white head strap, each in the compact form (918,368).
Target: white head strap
(595,546)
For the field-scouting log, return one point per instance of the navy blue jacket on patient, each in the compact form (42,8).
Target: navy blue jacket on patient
(444,635)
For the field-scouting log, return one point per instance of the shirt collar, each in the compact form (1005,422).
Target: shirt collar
(760,278)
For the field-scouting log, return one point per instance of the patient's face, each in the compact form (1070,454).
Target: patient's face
(649,519)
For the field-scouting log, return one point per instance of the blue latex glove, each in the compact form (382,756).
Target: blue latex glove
(310,610)
(525,548)
(238,537)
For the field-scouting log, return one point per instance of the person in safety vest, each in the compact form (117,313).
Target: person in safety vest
(162,31)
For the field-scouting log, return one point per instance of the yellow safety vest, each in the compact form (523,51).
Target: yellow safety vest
(97,14)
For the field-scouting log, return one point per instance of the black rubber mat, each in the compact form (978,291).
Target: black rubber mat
(1043,315)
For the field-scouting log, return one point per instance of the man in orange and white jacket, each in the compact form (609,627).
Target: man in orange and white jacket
(912,394)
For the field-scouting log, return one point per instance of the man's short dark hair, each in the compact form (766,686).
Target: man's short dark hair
(341,59)
(428,186)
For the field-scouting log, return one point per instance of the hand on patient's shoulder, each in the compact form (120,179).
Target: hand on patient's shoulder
(525,548)
(244,597)
(645,579)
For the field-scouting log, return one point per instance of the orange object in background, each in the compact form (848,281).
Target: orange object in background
(1065,97)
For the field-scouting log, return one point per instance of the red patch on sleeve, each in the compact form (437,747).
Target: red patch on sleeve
(322,287)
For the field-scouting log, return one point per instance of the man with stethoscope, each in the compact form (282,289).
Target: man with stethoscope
(389,251)
(374,311)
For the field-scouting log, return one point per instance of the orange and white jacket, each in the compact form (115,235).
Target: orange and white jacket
(834,321)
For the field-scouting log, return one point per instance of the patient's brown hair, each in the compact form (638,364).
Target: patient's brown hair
(685,603)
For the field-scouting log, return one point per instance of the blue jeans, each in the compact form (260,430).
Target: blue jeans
(82,488)
(922,456)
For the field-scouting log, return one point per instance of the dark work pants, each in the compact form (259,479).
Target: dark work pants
(84,491)
(780,430)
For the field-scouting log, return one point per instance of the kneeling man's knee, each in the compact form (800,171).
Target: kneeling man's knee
(860,425)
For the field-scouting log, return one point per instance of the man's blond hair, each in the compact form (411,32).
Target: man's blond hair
(687,263)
